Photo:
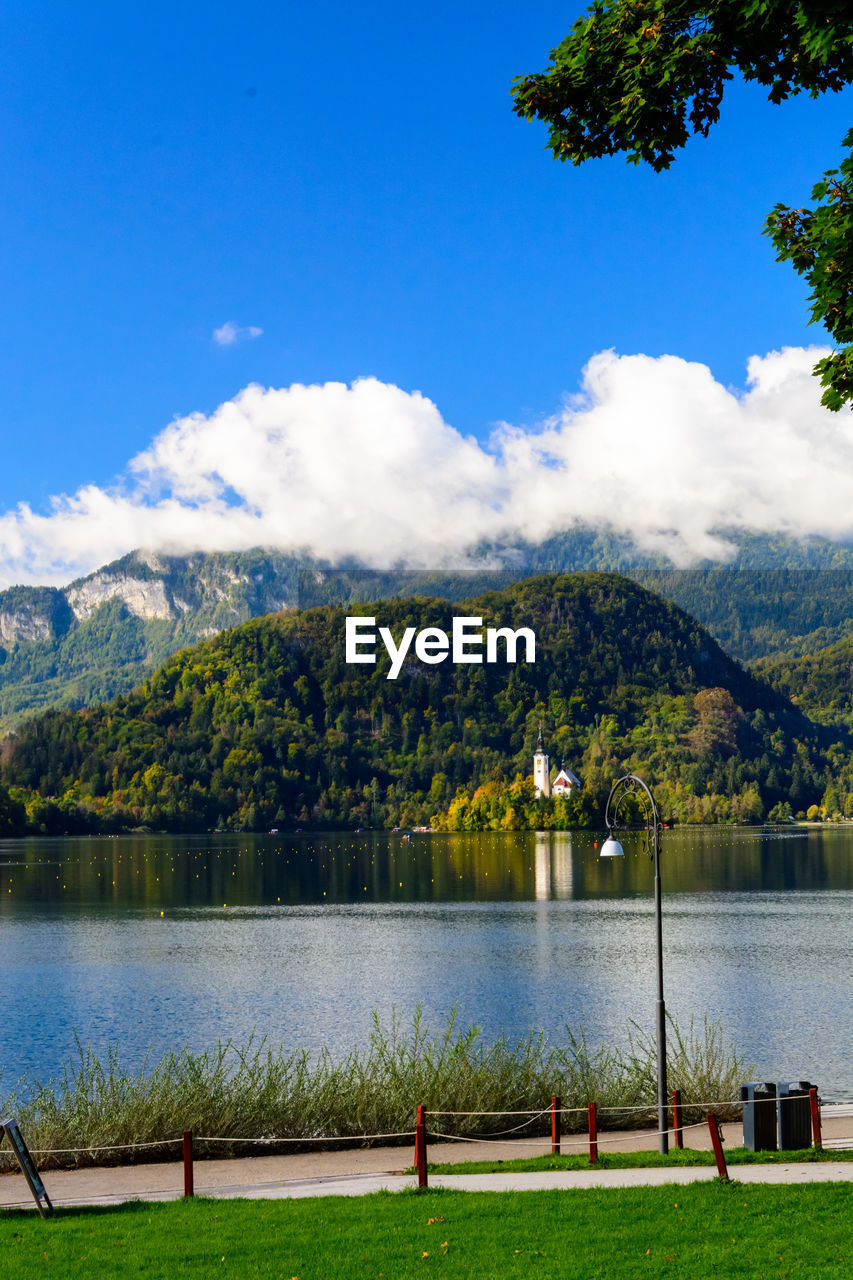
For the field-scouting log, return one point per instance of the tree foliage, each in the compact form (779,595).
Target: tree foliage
(638,76)
(818,243)
(267,725)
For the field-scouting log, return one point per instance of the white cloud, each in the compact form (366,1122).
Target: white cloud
(654,448)
(229,333)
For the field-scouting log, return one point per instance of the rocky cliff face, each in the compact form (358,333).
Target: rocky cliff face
(102,634)
(23,626)
(31,614)
(154,586)
(143,597)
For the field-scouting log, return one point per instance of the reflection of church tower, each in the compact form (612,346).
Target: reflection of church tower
(541,779)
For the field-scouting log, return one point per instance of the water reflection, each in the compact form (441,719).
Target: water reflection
(543,867)
(232,871)
(561,862)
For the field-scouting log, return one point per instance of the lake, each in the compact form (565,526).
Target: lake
(157,942)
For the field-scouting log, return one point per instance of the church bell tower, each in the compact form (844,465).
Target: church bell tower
(541,768)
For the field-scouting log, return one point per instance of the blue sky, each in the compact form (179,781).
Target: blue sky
(352,182)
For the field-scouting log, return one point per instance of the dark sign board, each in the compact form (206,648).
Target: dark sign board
(28,1169)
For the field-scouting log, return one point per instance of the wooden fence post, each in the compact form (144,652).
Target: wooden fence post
(188,1162)
(817,1140)
(593,1133)
(676,1118)
(420,1148)
(716,1143)
(556,1126)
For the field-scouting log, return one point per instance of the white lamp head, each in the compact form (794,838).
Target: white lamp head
(611,849)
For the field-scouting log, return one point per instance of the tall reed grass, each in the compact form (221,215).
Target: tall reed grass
(255,1091)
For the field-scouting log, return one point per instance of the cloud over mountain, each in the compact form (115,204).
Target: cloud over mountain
(651,447)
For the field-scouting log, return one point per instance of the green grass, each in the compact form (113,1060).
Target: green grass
(256,1090)
(641,1160)
(699,1232)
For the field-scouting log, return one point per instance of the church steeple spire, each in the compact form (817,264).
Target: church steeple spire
(541,767)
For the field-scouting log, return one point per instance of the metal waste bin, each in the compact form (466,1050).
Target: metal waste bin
(795,1116)
(759,1115)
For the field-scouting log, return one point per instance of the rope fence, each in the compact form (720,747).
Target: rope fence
(502,1137)
(343,1137)
(120,1146)
(541,1112)
(676,1129)
(514,1142)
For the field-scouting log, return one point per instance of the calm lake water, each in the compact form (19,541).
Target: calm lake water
(160,942)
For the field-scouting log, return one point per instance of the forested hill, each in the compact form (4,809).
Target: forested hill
(102,635)
(267,725)
(819,684)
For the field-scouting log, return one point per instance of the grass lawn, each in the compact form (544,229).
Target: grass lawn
(708,1230)
(639,1160)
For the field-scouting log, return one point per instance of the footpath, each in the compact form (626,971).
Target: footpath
(358,1172)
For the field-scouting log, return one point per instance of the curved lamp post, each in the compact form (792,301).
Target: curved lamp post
(631,785)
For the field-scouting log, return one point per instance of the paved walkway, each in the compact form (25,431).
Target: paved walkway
(357,1172)
(359,1184)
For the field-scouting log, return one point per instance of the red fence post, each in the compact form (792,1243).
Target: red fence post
(676,1118)
(716,1143)
(420,1148)
(817,1140)
(188,1162)
(593,1133)
(556,1127)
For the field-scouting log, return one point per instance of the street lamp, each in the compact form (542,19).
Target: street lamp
(631,785)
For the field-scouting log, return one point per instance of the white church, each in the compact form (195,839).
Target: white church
(565,781)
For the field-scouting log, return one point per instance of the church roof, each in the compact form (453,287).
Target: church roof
(566,775)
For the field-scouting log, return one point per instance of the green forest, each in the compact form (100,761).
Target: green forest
(777,596)
(266,725)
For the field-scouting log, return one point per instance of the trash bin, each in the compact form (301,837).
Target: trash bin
(795,1116)
(759,1115)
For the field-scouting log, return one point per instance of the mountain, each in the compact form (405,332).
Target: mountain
(752,613)
(268,725)
(760,613)
(819,683)
(102,635)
